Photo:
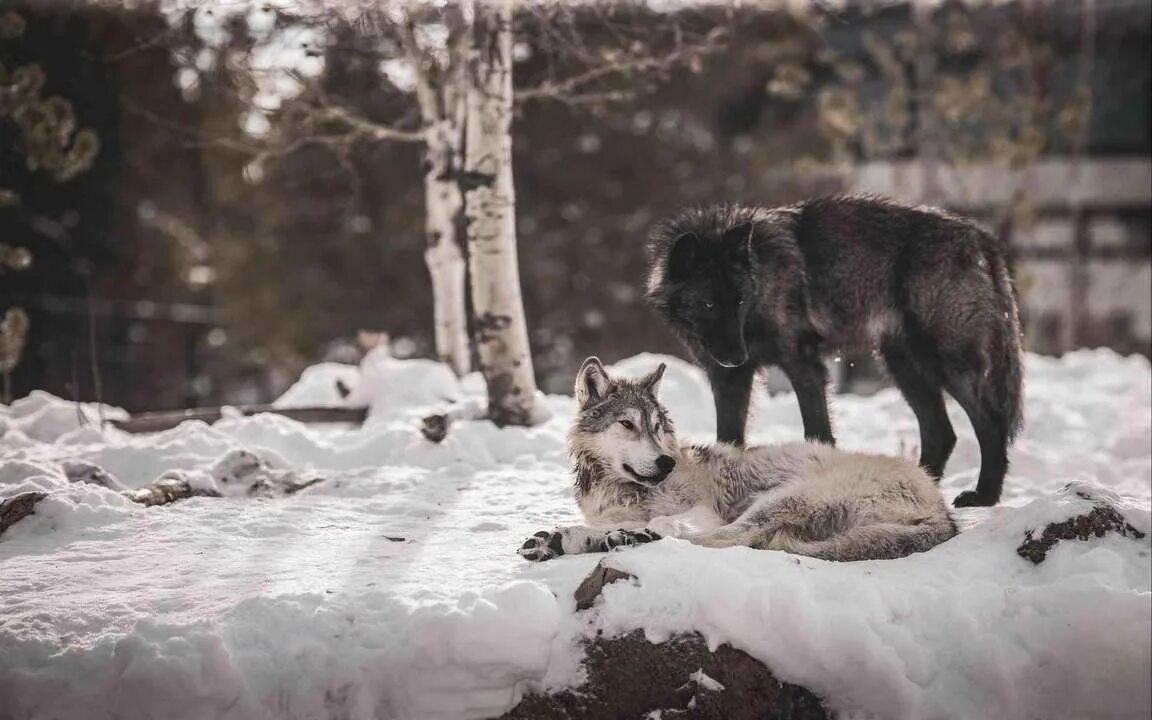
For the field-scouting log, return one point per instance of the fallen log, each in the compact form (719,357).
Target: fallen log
(165,420)
(165,491)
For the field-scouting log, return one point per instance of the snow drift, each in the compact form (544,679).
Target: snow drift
(391,589)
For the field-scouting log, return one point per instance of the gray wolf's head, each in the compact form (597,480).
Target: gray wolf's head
(704,276)
(622,427)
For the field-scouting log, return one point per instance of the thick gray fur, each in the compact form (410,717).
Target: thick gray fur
(750,287)
(804,497)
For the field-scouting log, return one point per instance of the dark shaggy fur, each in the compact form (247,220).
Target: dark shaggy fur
(748,287)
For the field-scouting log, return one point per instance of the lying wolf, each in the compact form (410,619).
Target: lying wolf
(749,287)
(635,483)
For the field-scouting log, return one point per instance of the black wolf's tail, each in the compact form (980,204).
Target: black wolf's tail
(1008,384)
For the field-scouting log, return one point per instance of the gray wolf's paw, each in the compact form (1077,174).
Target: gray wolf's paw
(628,538)
(971,498)
(542,546)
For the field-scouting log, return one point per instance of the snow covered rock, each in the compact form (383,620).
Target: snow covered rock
(17,507)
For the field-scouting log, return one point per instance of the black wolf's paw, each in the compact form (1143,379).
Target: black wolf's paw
(971,498)
(542,546)
(628,538)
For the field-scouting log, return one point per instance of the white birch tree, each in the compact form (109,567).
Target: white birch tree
(500,329)
(440,86)
(458,58)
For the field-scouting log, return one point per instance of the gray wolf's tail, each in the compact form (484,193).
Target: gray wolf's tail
(877,541)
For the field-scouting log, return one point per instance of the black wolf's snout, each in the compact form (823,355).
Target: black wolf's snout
(665,464)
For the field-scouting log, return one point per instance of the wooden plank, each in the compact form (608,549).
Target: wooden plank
(157,421)
(1096,183)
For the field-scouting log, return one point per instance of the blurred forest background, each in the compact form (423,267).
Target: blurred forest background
(199,200)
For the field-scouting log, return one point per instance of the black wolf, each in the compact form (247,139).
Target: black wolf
(747,287)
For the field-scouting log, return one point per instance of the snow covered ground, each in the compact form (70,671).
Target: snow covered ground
(392,589)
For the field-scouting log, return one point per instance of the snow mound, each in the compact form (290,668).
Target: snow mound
(389,387)
(44,417)
(391,587)
(319,386)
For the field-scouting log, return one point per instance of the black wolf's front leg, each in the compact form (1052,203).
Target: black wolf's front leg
(809,380)
(546,544)
(731,388)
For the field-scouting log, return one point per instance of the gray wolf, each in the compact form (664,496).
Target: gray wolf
(635,483)
(749,287)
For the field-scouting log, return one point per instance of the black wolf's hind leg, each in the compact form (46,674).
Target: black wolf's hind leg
(731,389)
(809,380)
(925,397)
(993,429)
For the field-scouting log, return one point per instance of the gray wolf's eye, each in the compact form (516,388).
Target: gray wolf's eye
(627,424)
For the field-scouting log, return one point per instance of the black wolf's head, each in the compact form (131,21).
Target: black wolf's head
(622,433)
(704,278)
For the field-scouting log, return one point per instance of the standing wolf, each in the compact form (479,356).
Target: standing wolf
(634,482)
(748,287)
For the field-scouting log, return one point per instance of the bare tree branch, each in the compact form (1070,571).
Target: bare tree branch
(365,127)
(426,94)
(576,88)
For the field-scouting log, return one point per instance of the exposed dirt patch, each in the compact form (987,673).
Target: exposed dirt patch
(1097,523)
(630,677)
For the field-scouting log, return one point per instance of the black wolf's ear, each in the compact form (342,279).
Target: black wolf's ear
(738,241)
(682,258)
(651,381)
(592,382)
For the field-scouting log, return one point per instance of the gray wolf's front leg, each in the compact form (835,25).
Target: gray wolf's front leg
(546,545)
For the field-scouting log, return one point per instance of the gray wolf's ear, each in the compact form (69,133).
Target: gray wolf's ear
(738,241)
(651,381)
(682,258)
(592,382)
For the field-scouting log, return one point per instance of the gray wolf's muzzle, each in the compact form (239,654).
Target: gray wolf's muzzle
(665,464)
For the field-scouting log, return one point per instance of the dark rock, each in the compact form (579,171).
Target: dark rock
(18,507)
(1102,520)
(435,428)
(594,584)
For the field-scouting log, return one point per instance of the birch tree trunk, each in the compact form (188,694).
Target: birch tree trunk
(440,88)
(500,329)
(444,252)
